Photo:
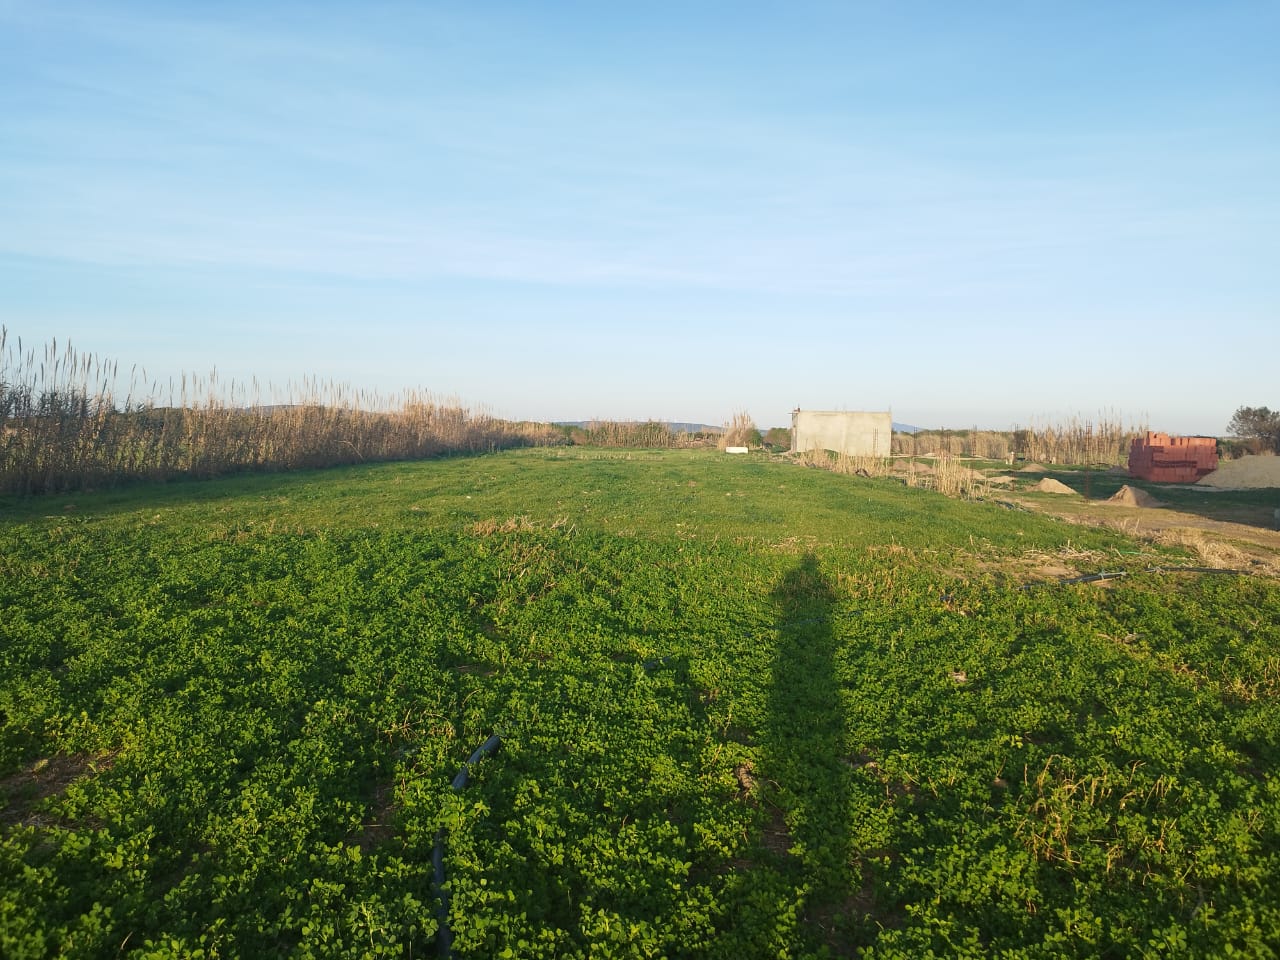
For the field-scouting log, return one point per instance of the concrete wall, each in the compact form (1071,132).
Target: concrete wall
(859,434)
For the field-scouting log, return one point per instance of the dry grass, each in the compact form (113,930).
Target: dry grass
(740,431)
(521,524)
(1235,547)
(491,526)
(946,475)
(66,423)
(843,463)
(954,479)
(1212,551)
(1064,805)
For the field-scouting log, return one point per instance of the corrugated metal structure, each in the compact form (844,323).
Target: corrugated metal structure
(1161,458)
(857,434)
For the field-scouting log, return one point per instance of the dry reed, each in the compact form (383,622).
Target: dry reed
(1105,441)
(740,431)
(625,433)
(946,475)
(64,425)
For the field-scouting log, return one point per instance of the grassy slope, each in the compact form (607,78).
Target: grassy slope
(749,709)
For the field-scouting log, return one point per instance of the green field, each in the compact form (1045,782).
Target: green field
(747,709)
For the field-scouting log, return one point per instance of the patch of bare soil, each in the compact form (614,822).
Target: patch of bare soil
(1050,485)
(379,825)
(1031,565)
(1032,468)
(22,792)
(912,467)
(1001,479)
(776,837)
(1247,473)
(837,920)
(1128,496)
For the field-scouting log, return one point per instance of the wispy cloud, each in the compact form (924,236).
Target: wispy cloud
(495,163)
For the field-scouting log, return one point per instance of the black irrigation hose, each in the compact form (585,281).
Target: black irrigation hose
(1010,505)
(1116,574)
(1239,573)
(1096,577)
(444,936)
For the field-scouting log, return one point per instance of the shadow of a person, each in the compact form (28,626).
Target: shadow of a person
(805,733)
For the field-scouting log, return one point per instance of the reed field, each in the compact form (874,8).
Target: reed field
(71,421)
(648,434)
(1103,441)
(740,431)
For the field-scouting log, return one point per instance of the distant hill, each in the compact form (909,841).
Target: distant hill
(906,428)
(694,427)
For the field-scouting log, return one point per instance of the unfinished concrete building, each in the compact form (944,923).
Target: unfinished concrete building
(856,433)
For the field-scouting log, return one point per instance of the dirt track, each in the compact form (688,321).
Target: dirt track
(1218,542)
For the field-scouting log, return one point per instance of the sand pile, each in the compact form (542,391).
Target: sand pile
(1247,473)
(1050,485)
(1032,468)
(1128,496)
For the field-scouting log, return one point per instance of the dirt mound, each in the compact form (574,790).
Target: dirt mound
(1032,468)
(912,467)
(1050,485)
(1001,479)
(1128,496)
(1247,473)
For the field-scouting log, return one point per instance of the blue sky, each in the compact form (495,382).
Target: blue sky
(972,213)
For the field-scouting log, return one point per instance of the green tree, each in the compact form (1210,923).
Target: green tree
(1258,424)
(778,438)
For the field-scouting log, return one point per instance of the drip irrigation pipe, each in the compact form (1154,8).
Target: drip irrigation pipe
(1239,573)
(1096,577)
(444,935)
(1116,574)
